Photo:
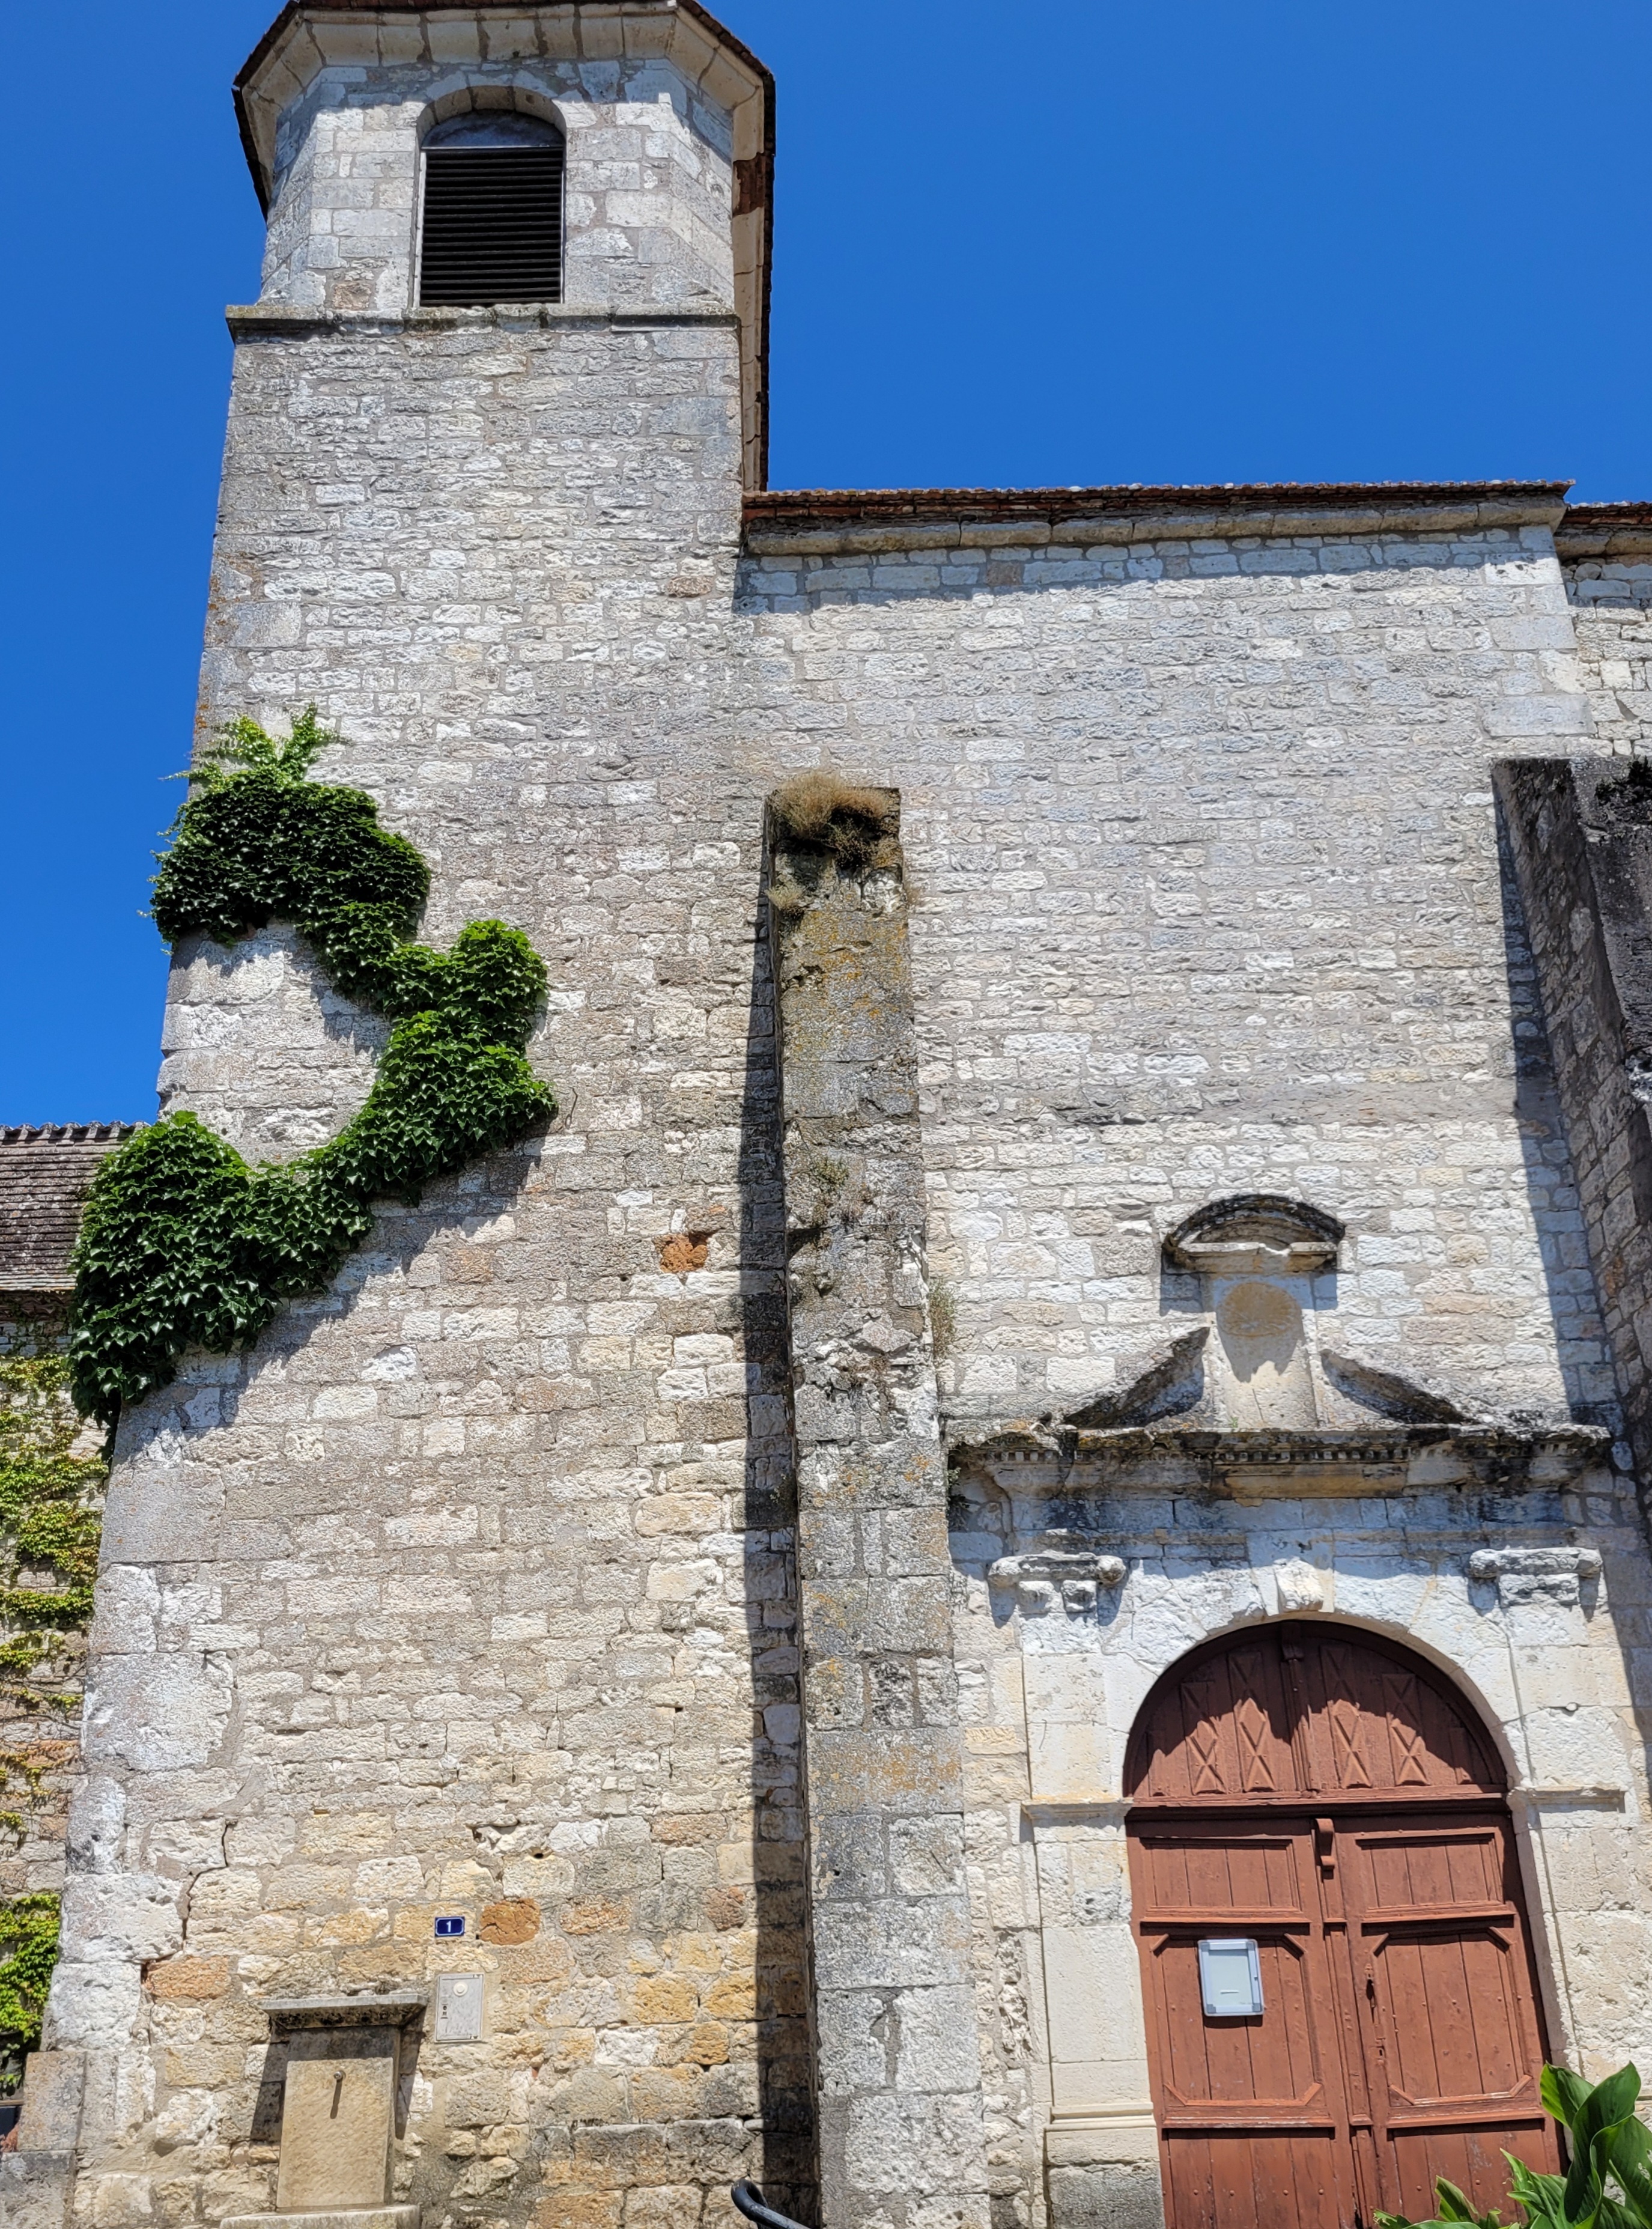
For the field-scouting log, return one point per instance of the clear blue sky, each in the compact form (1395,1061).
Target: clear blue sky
(1075,242)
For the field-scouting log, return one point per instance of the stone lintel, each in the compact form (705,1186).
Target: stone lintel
(395,2009)
(897,2076)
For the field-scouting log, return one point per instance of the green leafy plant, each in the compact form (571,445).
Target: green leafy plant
(185,1243)
(28,1928)
(49,1524)
(1608,2185)
(49,1500)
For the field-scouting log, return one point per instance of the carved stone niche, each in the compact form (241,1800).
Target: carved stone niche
(1255,1234)
(344,2060)
(1256,1256)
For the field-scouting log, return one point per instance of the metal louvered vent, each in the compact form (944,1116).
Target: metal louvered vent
(492,225)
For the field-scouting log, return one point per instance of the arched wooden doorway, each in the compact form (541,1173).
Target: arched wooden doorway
(1323,1795)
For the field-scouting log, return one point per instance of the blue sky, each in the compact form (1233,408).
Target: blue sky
(1075,242)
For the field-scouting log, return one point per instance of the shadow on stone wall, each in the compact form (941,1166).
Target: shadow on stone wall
(788,2169)
(1550,1180)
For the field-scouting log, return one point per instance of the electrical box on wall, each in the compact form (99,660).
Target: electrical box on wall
(459,2007)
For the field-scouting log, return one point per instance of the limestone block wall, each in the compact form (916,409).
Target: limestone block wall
(648,190)
(1208,902)
(1578,833)
(1615,653)
(669,123)
(898,2106)
(470,1589)
(259,1045)
(1606,554)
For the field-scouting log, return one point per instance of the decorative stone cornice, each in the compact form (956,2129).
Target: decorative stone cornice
(1604,529)
(1037,1458)
(831,521)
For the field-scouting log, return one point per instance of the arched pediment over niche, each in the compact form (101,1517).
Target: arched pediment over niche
(1297,1711)
(1252,1233)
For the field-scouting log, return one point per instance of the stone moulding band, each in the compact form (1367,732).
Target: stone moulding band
(1604,529)
(1032,1459)
(255,320)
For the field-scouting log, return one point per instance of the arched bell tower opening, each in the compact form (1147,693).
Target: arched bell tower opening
(1336,1959)
(491,209)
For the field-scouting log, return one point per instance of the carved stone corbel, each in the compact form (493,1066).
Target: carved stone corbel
(1556,1575)
(1062,1567)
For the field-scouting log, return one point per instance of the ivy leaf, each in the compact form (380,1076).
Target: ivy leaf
(182,1242)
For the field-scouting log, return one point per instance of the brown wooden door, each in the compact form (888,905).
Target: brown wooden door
(1326,1795)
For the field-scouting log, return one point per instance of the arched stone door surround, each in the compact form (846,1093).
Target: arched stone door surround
(1326,1795)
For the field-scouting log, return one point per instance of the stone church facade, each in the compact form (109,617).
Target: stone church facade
(1156,1225)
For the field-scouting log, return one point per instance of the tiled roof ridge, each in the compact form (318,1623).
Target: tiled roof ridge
(65,1134)
(1140,494)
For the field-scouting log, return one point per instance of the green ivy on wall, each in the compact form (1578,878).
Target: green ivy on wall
(49,1522)
(29,1928)
(183,1242)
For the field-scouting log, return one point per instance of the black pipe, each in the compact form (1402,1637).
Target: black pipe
(750,2200)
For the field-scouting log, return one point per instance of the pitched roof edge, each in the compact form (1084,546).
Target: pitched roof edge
(937,517)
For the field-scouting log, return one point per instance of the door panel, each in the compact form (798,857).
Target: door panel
(1453,2043)
(1289,1711)
(1256,1868)
(1252,2111)
(1327,1795)
(1289,2182)
(1255,2070)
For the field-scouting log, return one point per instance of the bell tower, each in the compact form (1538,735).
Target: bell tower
(493,416)
(353,118)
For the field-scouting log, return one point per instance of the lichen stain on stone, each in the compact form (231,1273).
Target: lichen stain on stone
(682,1252)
